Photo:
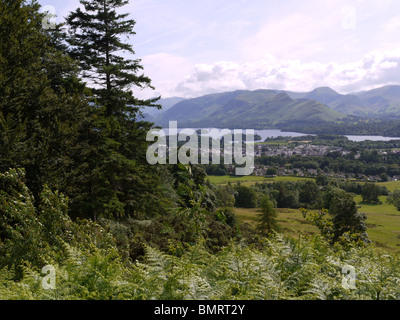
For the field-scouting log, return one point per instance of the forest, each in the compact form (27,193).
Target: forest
(77,194)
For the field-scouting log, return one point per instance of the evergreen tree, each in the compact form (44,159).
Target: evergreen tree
(95,43)
(267,216)
(119,179)
(42,105)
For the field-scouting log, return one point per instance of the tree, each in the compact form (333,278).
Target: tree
(272,172)
(225,196)
(370,193)
(43,109)
(340,221)
(267,216)
(384,177)
(245,197)
(394,199)
(95,43)
(309,192)
(288,197)
(119,181)
(345,216)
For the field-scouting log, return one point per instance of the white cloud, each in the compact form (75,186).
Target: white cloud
(165,70)
(293,45)
(373,70)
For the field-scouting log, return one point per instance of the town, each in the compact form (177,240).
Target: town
(307,150)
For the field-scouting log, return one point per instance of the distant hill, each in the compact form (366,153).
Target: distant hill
(269,108)
(246,109)
(377,102)
(152,113)
(381,101)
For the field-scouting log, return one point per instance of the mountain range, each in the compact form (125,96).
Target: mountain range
(266,108)
(380,101)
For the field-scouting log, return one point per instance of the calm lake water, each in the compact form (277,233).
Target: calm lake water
(264,134)
(274,133)
(278,133)
(372,138)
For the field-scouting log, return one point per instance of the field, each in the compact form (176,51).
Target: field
(274,143)
(383,223)
(291,221)
(383,219)
(250,180)
(391,185)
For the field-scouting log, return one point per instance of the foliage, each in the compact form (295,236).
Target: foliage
(280,269)
(371,193)
(245,197)
(43,110)
(90,263)
(97,47)
(77,193)
(34,235)
(117,180)
(394,199)
(341,222)
(267,216)
(225,195)
(345,216)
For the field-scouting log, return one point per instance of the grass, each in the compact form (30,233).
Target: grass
(251,180)
(390,185)
(286,179)
(274,143)
(383,222)
(234,179)
(291,221)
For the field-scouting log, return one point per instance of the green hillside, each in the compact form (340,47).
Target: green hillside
(375,102)
(246,109)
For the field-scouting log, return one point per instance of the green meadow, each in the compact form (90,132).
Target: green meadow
(274,143)
(383,220)
(251,180)
(391,185)
(383,223)
(291,221)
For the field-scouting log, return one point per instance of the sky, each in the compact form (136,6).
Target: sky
(191,48)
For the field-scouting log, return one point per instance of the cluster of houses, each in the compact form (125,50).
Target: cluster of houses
(306,150)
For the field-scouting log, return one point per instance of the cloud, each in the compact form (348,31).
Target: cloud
(373,70)
(165,70)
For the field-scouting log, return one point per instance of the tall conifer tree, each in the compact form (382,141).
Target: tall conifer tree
(96,42)
(121,181)
(42,105)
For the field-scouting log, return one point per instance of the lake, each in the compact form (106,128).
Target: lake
(264,134)
(372,138)
(278,133)
(274,133)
